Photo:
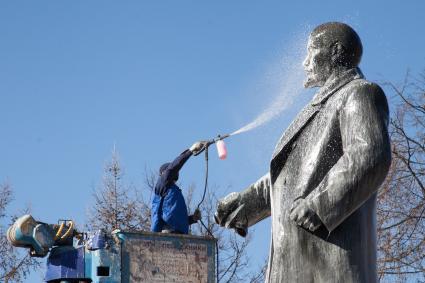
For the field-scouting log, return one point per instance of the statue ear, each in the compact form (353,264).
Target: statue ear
(339,54)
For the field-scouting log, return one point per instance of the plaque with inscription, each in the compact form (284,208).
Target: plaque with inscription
(156,257)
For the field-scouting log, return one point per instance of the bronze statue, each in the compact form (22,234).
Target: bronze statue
(324,173)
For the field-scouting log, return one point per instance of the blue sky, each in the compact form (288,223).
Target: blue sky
(77,77)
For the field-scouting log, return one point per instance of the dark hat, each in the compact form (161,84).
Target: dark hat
(163,167)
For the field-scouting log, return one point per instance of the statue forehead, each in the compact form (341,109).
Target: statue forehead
(316,40)
(320,39)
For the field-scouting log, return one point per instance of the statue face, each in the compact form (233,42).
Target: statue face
(317,64)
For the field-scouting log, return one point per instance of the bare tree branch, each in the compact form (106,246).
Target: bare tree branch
(14,267)
(401,201)
(116,205)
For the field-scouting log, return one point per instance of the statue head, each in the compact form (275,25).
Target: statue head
(332,47)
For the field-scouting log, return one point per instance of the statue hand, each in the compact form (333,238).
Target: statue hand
(225,208)
(231,214)
(304,216)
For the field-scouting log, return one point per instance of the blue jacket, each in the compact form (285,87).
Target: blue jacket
(168,205)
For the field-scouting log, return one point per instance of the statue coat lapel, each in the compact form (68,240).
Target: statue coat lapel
(306,116)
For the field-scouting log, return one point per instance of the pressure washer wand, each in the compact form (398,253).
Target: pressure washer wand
(220,145)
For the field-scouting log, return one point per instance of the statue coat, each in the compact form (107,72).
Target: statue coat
(335,154)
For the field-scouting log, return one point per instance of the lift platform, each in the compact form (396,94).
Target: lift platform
(117,257)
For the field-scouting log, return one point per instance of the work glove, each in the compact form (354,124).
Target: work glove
(198,146)
(197,215)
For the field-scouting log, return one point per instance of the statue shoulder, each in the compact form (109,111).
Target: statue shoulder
(368,94)
(364,89)
(365,86)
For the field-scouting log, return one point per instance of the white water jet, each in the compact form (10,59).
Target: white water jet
(288,79)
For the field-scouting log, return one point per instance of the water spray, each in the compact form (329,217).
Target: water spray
(284,82)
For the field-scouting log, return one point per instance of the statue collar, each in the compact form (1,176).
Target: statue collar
(334,83)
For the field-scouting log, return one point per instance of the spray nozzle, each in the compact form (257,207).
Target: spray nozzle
(221,137)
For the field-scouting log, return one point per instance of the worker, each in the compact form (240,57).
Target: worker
(169,210)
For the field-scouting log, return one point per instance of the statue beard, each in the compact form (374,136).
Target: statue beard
(313,80)
(317,76)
